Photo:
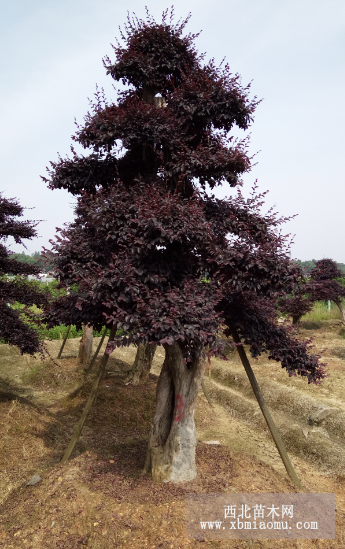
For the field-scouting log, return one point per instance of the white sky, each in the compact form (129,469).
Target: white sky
(292,50)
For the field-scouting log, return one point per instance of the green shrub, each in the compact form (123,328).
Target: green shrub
(59,332)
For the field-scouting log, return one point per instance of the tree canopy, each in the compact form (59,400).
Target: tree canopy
(147,224)
(170,146)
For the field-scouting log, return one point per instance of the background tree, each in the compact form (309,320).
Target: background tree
(37,259)
(17,288)
(148,228)
(322,285)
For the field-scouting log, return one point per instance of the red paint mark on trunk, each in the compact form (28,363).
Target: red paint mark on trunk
(179,407)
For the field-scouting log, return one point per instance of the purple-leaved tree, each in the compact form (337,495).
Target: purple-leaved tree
(151,248)
(321,285)
(17,287)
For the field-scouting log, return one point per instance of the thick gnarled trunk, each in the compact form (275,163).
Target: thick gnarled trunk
(171,450)
(85,347)
(142,364)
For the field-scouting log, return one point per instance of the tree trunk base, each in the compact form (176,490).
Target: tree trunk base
(142,364)
(85,347)
(177,462)
(171,450)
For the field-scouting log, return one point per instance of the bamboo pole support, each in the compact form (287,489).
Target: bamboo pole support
(266,413)
(90,401)
(206,393)
(89,368)
(64,341)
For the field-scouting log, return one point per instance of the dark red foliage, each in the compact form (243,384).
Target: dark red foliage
(175,143)
(321,286)
(151,249)
(256,321)
(18,289)
(154,53)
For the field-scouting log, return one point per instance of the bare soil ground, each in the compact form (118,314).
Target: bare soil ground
(100,500)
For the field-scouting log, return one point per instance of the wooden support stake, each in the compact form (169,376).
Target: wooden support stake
(206,393)
(64,341)
(90,401)
(82,385)
(89,368)
(266,413)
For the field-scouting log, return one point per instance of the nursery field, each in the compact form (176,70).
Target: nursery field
(100,500)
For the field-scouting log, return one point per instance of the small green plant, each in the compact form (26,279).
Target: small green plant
(59,332)
(33,374)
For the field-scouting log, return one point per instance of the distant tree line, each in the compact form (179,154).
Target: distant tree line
(36,259)
(307,266)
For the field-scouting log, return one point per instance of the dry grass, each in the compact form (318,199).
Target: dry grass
(291,400)
(100,500)
(24,447)
(47,376)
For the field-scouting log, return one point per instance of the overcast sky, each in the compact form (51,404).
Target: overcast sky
(293,51)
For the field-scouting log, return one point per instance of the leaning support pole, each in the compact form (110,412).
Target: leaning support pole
(89,368)
(206,393)
(64,341)
(82,385)
(90,401)
(266,413)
